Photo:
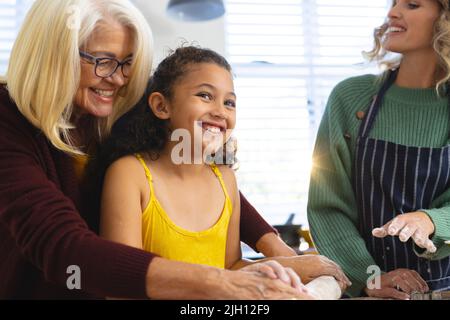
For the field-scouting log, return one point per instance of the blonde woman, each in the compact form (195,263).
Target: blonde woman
(76,66)
(379,193)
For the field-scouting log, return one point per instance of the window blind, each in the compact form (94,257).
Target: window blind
(12,13)
(287,55)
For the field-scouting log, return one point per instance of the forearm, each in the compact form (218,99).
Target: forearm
(182,281)
(271,245)
(252,225)
(173,280)
(285,261)
(241,263)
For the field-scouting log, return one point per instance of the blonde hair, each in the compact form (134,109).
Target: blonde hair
(44,69)
(441,44)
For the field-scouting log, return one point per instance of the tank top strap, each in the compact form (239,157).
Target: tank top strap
(219,176)
(147,173)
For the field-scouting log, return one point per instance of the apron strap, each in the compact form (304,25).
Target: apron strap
(369,119)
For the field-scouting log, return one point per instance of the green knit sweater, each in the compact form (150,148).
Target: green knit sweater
(414,117)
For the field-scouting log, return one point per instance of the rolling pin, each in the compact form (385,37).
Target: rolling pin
(324,288)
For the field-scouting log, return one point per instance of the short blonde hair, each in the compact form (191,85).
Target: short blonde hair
(441,44)
(44,69)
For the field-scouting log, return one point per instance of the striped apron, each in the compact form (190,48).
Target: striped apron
(391,179)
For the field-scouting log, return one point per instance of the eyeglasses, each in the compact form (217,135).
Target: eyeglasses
(106,67)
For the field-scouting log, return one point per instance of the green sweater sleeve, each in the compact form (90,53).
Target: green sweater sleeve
(332,210)
(440,216)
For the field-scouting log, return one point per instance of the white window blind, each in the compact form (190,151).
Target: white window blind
(12,13)
(287,55)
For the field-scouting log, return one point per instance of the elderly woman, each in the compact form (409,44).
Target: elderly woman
(76,67)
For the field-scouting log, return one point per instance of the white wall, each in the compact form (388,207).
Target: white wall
(169,34)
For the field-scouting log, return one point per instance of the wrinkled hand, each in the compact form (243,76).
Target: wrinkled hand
(310,267)
(399,284)
(254,283)
(416,225)
(274,270)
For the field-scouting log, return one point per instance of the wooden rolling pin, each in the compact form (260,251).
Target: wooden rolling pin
(324,288)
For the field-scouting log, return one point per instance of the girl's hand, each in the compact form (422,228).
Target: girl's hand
(416,225)
(275,270)
(310,267)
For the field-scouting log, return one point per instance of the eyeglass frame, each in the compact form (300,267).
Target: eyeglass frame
(96,60)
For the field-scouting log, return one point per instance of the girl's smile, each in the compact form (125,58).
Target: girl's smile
(205,97)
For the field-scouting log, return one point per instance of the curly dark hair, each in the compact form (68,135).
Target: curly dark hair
(140,131)
(177,65)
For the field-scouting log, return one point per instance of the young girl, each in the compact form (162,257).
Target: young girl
(161,195)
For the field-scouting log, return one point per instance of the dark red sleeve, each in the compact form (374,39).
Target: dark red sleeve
(50,233)
(253,226)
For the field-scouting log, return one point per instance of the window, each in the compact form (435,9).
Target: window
(12,13)
(287,55)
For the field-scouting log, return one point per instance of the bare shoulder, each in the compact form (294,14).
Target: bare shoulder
(229,177)
(127,167)
(227,173)
(126,162)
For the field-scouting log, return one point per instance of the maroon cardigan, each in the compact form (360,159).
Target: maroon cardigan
(42,232)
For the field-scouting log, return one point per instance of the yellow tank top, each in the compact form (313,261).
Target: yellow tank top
(162,236)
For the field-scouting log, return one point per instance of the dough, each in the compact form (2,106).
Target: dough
(324,288)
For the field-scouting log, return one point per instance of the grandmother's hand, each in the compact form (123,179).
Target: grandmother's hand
(274,270)
(416,225)
(253,283)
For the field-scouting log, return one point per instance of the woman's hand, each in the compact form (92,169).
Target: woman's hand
(416,225)
(398,284)
(263,281)
(175,280)
(310,267)
(274,270)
